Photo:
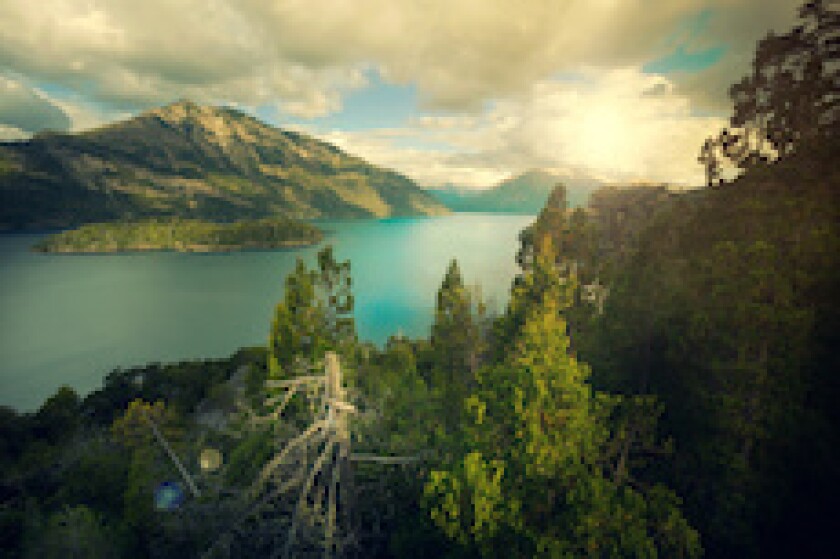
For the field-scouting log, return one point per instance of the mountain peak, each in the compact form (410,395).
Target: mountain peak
(186,159)
(181,110)
(218,125)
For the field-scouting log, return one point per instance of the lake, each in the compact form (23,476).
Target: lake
(71,319)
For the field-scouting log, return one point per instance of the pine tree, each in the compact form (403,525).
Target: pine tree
(316,315)
(298,330)
(538,474)
(454,344)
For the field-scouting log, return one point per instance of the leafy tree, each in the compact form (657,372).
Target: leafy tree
(747,335)
(791,97)
(58,417)
(336,285)
(316,315)
(148,465)
(299,325)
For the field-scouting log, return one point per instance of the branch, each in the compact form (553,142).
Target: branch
(277,460)
(316,468)
(294,381)
(174,457)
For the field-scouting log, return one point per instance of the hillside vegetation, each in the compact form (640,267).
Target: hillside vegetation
(183,235)
(185,160)
(663,382)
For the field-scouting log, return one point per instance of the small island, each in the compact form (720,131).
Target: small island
(182,235)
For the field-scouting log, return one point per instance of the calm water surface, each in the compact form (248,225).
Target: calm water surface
(71,319)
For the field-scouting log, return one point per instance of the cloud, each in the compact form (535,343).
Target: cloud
(604,123)
(503,85)
(738,26)
(308,53)
(132,55)
(24,110)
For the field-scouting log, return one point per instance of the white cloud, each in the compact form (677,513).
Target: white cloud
(304,53)
(605,124)
(494,65)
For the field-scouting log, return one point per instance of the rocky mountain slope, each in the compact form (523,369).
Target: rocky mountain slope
(185,160)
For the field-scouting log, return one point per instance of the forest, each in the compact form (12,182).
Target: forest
(183,235)
(662,383)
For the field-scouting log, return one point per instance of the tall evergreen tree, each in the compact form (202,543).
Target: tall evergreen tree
(315,315)
(453,339)
(453,346)
(298,330)
(538,475)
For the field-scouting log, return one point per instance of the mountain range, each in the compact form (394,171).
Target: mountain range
(186,160)
(526,193)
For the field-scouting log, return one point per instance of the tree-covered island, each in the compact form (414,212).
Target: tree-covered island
(183,235)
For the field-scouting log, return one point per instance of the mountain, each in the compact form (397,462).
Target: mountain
(186,160)
(452,196)
(526,193)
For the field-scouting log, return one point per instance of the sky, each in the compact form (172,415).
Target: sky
(461,92)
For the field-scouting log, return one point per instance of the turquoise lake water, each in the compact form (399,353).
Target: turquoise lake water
(71,319)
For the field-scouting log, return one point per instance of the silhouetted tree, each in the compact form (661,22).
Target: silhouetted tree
(790,98)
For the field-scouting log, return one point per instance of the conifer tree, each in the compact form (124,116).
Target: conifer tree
(315,315)
(298,328)
(537,474)
(454,344)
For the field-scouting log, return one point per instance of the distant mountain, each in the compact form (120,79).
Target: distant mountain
(185,160)
(525,193)
(452,196)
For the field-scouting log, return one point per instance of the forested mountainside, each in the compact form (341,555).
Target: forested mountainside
(722,304)
(525,193)
(185,160)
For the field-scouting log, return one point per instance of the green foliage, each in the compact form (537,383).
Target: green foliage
(170,163)
(72,532)
(97,478)
(149,466)
(723,310)
(454,345)
(535,472)
(336,290)
(58,418)
(789,99)
(315,315)
(248,456)
(183,385)
(182,235)
(298,328)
